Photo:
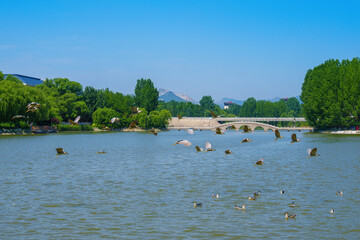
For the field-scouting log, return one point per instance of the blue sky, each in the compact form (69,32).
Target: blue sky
(235,49)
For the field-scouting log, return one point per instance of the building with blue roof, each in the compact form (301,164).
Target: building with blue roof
(26,80)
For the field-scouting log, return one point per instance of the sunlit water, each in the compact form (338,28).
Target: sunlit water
(143,188)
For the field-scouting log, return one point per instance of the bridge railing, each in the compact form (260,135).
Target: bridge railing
(251,119)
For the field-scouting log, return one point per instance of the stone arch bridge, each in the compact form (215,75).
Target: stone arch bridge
(251,125)
(223,123)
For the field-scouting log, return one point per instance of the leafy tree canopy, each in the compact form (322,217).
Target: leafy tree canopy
(146,95)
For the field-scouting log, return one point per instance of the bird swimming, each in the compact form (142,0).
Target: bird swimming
(60,151)
(277,135)
(332,211)
(292,205)
(260,162)
(208,147)
(246,140)
(238,207)
(186,143)
(215,195)
(251,198)
(197,204)
(101,152)
(227,152)
(289,216)
(312,152)
(190,131)
(257,194)
(282,191)
(294,138)
(340,193)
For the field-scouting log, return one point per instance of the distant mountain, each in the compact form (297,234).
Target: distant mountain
(167,96)
(170,96)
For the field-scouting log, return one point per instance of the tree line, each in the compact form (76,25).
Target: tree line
(290,107)
(330,96)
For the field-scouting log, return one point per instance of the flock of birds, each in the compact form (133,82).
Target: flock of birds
(246,129)
(33,106)
(209,148)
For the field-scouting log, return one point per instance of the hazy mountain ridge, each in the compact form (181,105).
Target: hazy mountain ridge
(167,96)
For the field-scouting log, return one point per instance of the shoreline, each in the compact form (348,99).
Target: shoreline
(344,132)
(96,130)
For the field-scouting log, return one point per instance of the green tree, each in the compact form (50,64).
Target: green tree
(330,94)
(248,109)
(146,95)
(293,104)
(207,103)
(102,116)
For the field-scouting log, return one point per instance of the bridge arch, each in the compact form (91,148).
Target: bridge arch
(252,125)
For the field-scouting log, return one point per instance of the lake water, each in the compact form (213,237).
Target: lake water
(143,188)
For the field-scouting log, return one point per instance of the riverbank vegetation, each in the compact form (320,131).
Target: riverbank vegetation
(61,99)
(331,94)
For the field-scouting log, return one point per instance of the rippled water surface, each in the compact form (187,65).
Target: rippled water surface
(143,188)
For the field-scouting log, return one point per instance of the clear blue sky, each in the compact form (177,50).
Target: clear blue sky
(236,49)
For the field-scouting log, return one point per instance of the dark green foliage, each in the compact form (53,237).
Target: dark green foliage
(16,96)
(331,94)
(146,95)
(61,99)
(248,109)
(156,119)
(207,103)
(102,116)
